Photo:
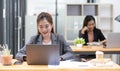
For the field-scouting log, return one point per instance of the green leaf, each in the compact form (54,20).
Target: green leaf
(6,50)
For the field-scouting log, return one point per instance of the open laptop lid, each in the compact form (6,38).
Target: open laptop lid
(113,40)
(42,54)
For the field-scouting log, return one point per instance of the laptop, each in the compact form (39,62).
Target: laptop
(113,40)
(42,54)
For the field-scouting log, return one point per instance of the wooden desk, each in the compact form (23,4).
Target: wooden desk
(92,49)
(25,67)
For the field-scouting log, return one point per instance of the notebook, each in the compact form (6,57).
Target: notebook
(113,40)
(42,54)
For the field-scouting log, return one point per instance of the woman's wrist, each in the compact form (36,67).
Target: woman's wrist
(82,31)
(103,42)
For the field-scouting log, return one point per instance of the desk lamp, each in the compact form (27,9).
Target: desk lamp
(117,18)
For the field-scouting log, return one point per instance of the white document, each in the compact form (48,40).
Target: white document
(77,64)
(71,64)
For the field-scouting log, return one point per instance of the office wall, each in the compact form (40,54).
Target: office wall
(37,6)
(116,12)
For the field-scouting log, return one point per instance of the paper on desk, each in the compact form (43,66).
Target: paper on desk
(71,64)
(77,64)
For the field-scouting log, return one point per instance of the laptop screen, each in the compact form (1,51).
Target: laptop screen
(113,40)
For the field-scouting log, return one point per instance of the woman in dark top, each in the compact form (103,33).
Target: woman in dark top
(90,33)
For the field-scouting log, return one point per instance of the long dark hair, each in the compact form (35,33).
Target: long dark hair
(87,19)
(48,17)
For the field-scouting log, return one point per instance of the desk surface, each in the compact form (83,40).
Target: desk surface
(25,67)
(94,48)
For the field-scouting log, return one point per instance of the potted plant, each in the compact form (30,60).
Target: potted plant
(6,57)
(79,42)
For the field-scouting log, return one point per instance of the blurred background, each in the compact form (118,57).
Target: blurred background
(18,19)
